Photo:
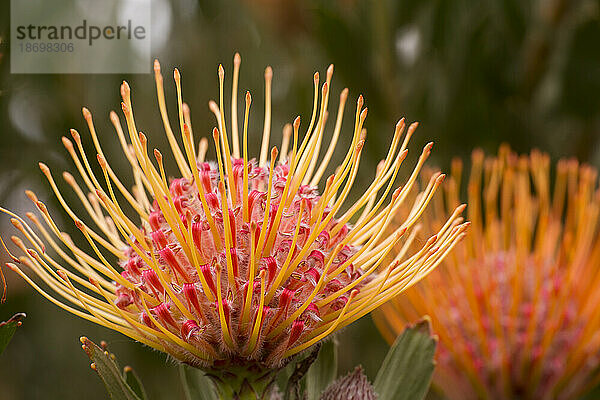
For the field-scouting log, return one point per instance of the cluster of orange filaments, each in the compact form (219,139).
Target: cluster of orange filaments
(238,259)
(518,316)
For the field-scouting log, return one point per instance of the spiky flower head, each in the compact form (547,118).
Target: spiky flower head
(239,261)
(518,317)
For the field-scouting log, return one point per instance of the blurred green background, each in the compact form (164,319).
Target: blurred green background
(475,73)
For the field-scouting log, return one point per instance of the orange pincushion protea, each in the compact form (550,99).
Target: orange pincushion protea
(238,263)
(518,316)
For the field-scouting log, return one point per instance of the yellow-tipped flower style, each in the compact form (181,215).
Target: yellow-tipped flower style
(238,261)
(516,305)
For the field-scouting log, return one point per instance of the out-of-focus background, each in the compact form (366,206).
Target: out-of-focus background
(474,73)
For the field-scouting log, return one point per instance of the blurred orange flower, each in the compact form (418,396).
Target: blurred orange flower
(516,304)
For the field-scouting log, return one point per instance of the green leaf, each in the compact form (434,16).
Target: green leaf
(323,371)
(196,385)
(134,382)
(284,375)
(408,367)
(293,390)
(8,329)
(105,365)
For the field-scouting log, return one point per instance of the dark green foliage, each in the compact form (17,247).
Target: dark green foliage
(323,371)
(407,369)
(117,383)
(196,385)
(8,329)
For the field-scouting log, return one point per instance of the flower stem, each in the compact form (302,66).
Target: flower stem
(247,382)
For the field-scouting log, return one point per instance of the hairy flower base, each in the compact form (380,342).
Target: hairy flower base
(237,259)
(519,316)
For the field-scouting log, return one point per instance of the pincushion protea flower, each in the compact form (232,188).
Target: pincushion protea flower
(519,314)
(239,264)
